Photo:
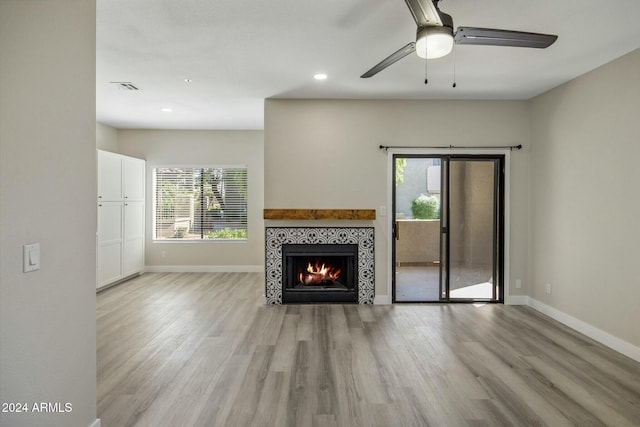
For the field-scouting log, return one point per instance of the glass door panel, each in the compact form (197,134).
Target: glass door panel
(417,229)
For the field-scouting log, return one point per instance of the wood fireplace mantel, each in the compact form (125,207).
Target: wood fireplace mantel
(317,214)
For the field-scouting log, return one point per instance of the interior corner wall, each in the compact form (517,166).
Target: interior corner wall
(106,137)
(584,198)
(47,196)
(325,154)
(193,148)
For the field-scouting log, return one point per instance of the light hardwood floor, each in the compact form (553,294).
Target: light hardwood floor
(202,350)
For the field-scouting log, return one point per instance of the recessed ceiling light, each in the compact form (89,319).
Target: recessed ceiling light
(166,109)
(320,76)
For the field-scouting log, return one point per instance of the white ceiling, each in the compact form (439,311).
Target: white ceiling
(239,52)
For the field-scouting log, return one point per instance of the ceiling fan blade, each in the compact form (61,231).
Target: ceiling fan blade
(493,37)
(424,12)
(391,59)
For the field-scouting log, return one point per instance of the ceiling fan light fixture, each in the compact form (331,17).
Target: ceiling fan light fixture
(434,42)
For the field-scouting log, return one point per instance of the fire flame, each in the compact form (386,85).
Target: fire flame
(317,274)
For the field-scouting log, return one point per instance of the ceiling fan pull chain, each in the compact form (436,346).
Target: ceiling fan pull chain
(426,80)
(454,65)
(426,61)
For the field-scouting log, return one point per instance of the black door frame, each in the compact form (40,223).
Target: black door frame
(499,225)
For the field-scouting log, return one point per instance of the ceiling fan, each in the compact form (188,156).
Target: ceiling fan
(435,36)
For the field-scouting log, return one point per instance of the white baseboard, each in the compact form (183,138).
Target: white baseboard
(382,300)
(96,423)
(204,268)
(605,338)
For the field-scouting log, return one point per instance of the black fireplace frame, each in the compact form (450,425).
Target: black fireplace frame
(319,294)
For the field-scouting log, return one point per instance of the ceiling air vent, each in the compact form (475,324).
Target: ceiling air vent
(125,85)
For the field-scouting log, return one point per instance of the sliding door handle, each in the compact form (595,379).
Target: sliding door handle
(444,230)
(396,230)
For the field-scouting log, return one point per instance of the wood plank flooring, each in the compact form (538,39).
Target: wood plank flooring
(202,350)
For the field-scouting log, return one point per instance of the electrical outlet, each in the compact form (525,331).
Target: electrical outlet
(163,254)
(518,284)
(548,288)
(382,210)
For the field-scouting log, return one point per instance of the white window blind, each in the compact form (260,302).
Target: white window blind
(203,203)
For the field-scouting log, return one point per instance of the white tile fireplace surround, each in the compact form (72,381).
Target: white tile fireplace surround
(276,237)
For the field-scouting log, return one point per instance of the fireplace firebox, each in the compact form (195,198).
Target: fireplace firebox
(315,273)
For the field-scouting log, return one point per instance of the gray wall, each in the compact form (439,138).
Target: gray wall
(324,154)
(106,137)
(47,195)
(184,147)
(584,201)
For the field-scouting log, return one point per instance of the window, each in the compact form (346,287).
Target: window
(203,203)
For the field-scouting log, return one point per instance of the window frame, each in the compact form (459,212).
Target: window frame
(203,239)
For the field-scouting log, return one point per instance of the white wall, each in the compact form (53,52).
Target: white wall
(47,195)
(585,209)
(167,147)
(106,137)
(324,154)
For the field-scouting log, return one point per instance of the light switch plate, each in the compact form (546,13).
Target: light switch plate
(31,257)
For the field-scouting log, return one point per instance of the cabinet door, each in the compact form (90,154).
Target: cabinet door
(133,178)
(133,258)
(133,251)
(110,242)
(109,176)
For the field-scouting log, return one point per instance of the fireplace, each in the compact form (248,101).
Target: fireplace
(319,273)
(290,252)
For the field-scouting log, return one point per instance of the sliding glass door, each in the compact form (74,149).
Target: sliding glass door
(448,228)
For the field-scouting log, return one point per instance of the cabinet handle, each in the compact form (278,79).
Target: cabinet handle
(126,197)
(100,205)
(99,197)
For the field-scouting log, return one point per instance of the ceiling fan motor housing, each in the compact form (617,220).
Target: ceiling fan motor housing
(447,27)
(447,20)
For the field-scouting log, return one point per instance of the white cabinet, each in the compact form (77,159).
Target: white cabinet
(133,238)
(109,176)
(132,178)
(121,190)
(109,242)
